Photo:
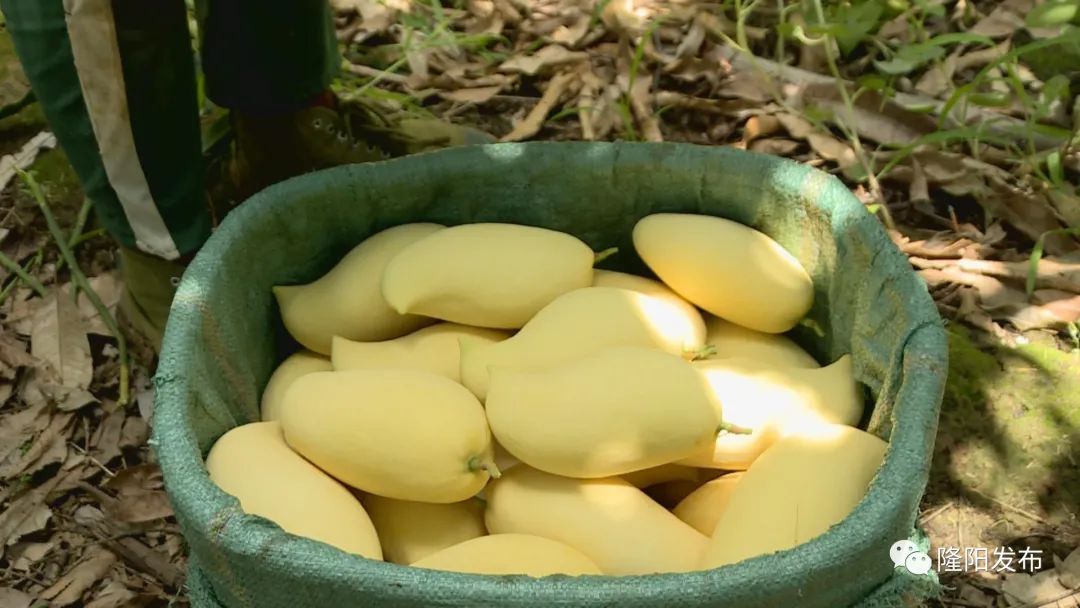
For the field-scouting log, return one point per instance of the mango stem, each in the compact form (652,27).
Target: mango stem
(697,354)
(605,254)
(734,429)
(475,464)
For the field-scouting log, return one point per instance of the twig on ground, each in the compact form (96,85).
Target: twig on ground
(363,70)
(925,519)
(995,123)
(94,461)
(79,279)
(1051,274)
(1016,510)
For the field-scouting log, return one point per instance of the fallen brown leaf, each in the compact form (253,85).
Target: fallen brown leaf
(48,448)
(1042,589)
(983,56)
(13,356)
(775,146)
(26,514)
(534,121)
(147,560)
(874,117)
(108,287)
(1006,18)
(1063,305)
(830,148)
(140,494)
(941,245)
(641,105)
(105,443)
(24,555)
(59,338)
(1069,570)
(93,567)
(135,433)
(473,95)
(796,126)
(551,55)
(17,428)
(759,126)
(113,595)
(1067,204)
(919,189)
(13,598)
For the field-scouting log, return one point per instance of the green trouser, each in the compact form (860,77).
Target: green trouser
(116,81)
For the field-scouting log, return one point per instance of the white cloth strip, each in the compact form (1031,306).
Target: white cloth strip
(97,60)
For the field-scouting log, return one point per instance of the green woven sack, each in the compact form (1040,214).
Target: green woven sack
(224,338)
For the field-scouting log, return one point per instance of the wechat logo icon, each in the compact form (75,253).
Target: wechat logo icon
(905,554)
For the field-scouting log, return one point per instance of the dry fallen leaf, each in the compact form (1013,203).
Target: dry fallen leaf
(23,555)
(13,598)
(1006,18)
(796,126)
(113,595)
(108,287)
(135,433)
(20,427)
(1042,589)
(550,56)
(775,146)
(26,514)
(534,121)
(141,496)
(59,338)
(48,448)
(1069,570)
(472,95)
(874,117)
(830,148)
(86,573)
(105,444)
(641,105)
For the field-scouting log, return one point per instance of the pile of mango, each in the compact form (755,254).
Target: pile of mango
(479,398)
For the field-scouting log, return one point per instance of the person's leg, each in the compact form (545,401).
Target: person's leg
(273,70)
(116,82)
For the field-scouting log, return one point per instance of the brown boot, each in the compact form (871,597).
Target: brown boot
(269,149)
(149,286)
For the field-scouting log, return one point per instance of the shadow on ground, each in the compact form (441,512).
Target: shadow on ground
(1005,470)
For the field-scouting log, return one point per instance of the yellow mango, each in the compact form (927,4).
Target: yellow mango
(511,554)
(581,323)
(253,463)
(487,275)
(296,365)
(796,491)
(348,300)
(410,531)
(622,280)
(729,340)
(613,523)
(726,268)
(659,474)
(613,412)
(397,433)
(772,403)
(434,349)
(704,506)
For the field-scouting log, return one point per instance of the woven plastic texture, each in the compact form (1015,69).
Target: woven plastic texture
(224,338)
